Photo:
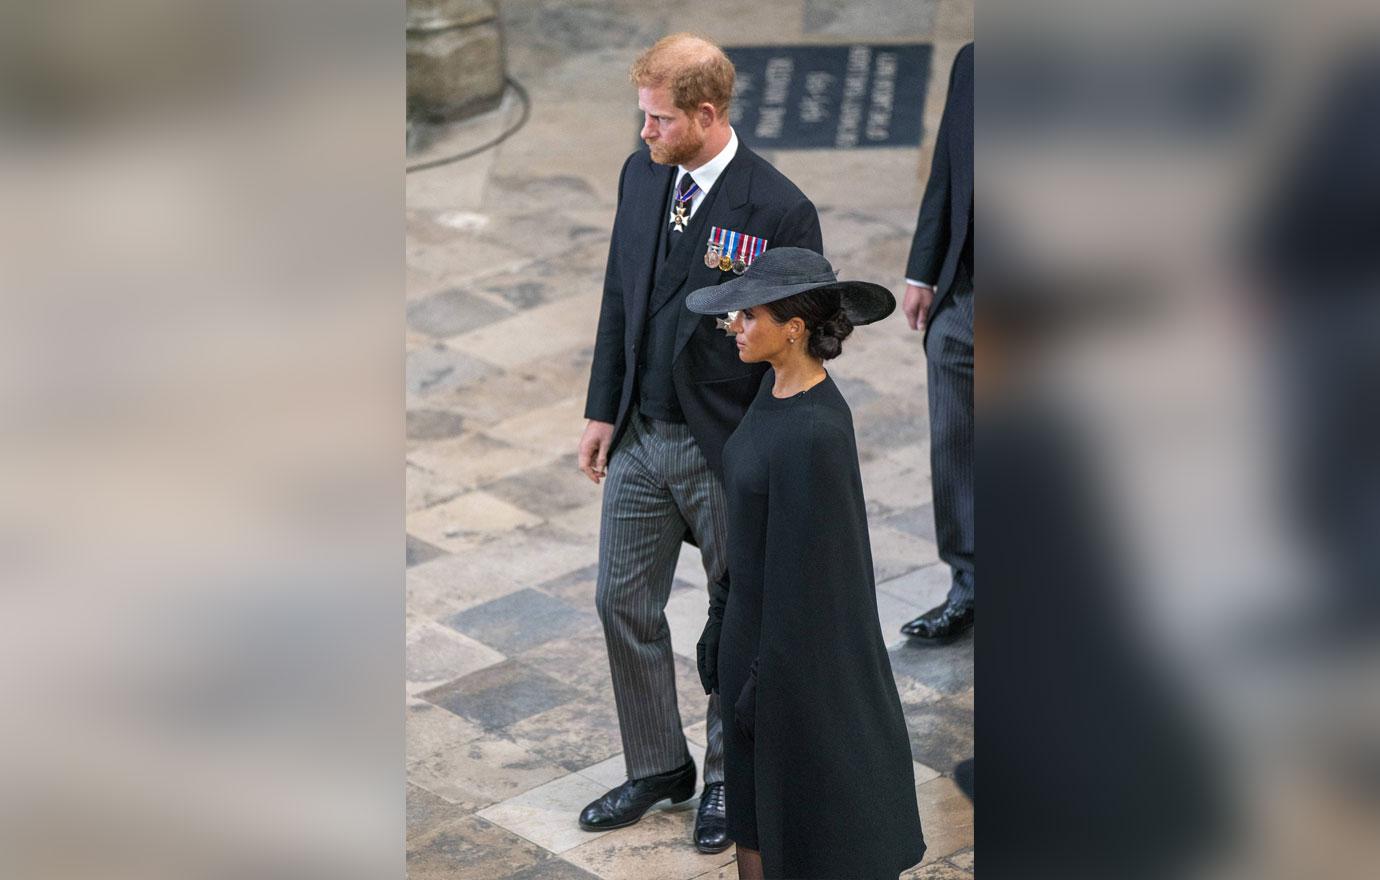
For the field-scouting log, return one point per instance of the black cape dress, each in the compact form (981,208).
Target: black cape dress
(825,788)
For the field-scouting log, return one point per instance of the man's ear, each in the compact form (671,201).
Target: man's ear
(708,114)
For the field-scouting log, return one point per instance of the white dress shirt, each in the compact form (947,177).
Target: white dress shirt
(706,175)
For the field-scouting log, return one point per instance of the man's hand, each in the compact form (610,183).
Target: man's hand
(916,305)
(594,450)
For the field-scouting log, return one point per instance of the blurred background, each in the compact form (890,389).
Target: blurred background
(201,410)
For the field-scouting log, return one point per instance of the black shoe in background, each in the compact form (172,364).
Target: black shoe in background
(711,826)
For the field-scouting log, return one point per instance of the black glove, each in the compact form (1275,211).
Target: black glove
(707,650)
(745,708)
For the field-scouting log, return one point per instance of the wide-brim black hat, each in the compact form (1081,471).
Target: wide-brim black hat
(785,271)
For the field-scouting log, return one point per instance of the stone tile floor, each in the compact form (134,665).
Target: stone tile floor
(510,720)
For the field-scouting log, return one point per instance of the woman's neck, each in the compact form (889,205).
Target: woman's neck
(795,374)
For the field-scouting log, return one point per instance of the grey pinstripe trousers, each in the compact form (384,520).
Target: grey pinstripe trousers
(949,356)
(658,484)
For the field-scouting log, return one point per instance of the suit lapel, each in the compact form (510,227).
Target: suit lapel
(730,209)
(642,237)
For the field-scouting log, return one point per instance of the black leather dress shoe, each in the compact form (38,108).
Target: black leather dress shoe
(943,622)
(624,805)
(711,827)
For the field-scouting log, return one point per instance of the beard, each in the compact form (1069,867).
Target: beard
(680,151)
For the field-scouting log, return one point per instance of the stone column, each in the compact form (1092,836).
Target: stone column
(454,59)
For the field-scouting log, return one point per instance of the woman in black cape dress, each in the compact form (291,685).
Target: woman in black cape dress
(818,773)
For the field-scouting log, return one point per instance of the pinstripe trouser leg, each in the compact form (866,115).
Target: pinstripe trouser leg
(949,355)
(658,484)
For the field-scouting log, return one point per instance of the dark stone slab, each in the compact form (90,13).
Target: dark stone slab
(426,811)
(830,97)
(439,368)
(419,551)
(453,311)
(576,588)
(434,424)
(917,521)
(521,620)
(471,847)
(946,668)
(552,869)
(502,694)
(552,489)
(941,732)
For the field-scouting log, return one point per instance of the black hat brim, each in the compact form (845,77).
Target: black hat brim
(862,301)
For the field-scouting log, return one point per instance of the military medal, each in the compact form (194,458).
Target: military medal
(711,256)
(751,249)
(726,261)
(739,263)
(725,323)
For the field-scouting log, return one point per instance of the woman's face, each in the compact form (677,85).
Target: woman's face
(760,338)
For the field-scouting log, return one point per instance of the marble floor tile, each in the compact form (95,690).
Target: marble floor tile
(888,19)
(658,846)
(426,812)
(534,333)
(470,847)
(727,872)
(947,668)
(687,610)
(500,695)
(917,521)
(941,732)
(577,734)
(454,311)
(892,612)
(430,729)
(550,869)
(548,814)
(549,489)
(522,620)
(474,459)
(438,368)
(419,551)
(581,661)
(889,484)
(583,521)
(527,556)
(437,654)
(895,553)
(439,592)
(552,430)
(542,382)
(946,816)
(942,870)
(475,513)
(426,489)
(963,859)
(481,772)
(426,425)
(925,587)
(575,588)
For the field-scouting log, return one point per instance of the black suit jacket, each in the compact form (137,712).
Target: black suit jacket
(713,386)
(947,209)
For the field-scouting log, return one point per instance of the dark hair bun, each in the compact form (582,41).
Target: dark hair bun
(826,340)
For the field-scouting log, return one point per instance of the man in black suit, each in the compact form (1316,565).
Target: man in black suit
(665,391)
(939,301)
